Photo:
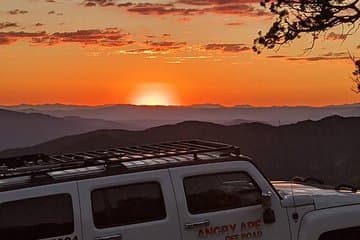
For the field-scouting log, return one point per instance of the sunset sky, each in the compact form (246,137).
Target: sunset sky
(162,52)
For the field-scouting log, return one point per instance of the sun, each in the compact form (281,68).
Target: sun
(153,98)
(154,95)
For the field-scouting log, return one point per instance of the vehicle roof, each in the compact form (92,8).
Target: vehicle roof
(39,169)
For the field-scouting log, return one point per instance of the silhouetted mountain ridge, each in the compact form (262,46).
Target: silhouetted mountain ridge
(327,149)
(20,129)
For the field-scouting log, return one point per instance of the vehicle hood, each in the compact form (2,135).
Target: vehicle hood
(295,194)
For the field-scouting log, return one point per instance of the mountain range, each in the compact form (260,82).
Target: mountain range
(18,129)
(327,149)
(142,117)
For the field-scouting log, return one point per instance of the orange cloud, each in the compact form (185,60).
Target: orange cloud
(198,7)
(11,37)
(17,11)
(165,45)
(322,57)
(227,47)
(336,36)
(8,25)
(234,24)
(110,37)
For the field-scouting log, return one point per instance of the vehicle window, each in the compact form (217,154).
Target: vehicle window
(216,192)
(346,234)
(130,204)
(37,218)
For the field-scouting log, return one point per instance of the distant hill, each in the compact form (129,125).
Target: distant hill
(150,116)
(327,149)
(19,129)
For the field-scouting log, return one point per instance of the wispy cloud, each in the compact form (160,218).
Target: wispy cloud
(336,36)
(11,37)
(4,25)
(323,57)
(234,24)
(227,47)
(154,47)
(216,2)
(165,45)
(17,11)
(110,37)
(39,24)
(185,7)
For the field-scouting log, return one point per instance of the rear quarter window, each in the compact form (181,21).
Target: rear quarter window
(37,218)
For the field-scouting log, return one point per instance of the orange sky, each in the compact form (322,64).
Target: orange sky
(163,52)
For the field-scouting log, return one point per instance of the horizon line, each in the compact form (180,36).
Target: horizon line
(209,105)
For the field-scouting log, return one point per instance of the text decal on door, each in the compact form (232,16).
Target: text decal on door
(244,230)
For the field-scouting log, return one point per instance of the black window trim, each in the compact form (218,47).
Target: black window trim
(218,173)
(163,203)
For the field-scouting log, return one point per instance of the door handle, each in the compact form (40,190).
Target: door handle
(193,225)
(111,237)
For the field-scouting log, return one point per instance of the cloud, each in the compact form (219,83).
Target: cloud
(55,13)
(314,59)
(335,54)
(335,36)
(158,9)
(164,45)
(277,56)
(109,37)
(17,11)
(39,24)
(237,9)
(7,38)
(234,24)
(164,35)
(102,3)
(155,47)
(8,25)
(184,19)
(227,47)
(216,2)
(323,57)
(185,7)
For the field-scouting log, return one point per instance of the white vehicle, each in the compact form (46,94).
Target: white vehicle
(187,190)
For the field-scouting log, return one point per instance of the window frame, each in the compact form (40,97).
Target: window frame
(163,205)
(67,195)
(257,187)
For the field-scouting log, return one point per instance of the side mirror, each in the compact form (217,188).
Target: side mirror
(266,200)
(268,214)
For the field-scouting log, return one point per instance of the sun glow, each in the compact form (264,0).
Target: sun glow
(154,94)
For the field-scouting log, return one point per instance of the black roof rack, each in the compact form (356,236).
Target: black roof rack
(124,157)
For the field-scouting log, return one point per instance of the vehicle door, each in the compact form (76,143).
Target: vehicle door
(50,212)
(223,201)
(133,206)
